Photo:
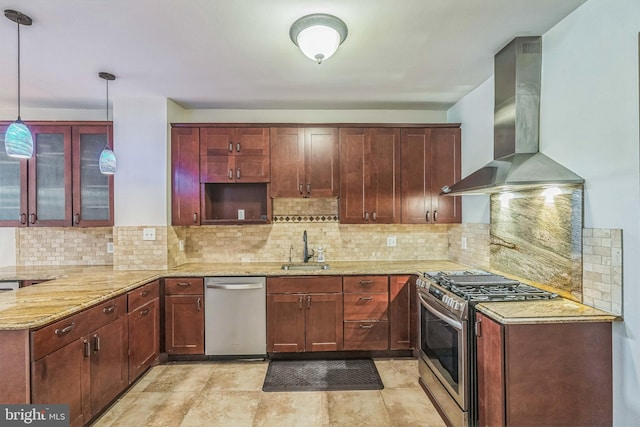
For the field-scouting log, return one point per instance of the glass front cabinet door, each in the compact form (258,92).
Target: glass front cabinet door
(13,187)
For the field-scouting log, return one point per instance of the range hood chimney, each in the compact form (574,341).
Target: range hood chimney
(518,164)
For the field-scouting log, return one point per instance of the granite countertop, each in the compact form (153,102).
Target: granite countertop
(73,288)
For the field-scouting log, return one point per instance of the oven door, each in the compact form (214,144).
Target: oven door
(443,347)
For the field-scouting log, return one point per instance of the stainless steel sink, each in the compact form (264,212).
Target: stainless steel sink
(305,266)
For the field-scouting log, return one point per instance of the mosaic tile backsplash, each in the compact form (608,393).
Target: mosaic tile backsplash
(602,269)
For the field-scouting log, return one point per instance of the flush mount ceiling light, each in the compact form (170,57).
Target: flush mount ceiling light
(18,141)
(107,161)
(318,35)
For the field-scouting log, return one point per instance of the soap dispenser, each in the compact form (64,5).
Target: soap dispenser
(320,254)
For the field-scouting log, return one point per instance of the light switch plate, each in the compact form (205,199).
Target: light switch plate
(148,234)
(391,241)
(109,247)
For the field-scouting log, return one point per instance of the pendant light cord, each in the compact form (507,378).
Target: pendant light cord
(18,22)
(107,111)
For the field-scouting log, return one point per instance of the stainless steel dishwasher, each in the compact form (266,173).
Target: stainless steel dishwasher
(235,317)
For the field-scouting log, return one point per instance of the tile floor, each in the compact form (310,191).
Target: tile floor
(230,394)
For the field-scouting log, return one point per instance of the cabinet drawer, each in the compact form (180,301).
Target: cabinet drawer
(139,297)
(184,286)
(365,284)
(304,284)
(366,306)
(366,335)
(58,334)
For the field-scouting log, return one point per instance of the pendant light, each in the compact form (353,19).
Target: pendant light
(18,141)
(107,161)
(318,35)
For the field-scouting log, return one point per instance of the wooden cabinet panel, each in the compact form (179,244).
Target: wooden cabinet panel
(144,338)
(285,322)
(304,284)
(62,377)
(287,162)
(184,324)
(142,295)
(366,306)
(377,284)
(402,317)
(324,322)
(430,160)
(322,169)
(369,175)
(184,286)
(490,362)
(185,176)
(366,335)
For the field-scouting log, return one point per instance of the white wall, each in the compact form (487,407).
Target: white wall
(7,246)
(475,112)
(140,145)
(589,123)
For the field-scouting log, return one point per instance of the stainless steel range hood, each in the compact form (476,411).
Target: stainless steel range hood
(518,164)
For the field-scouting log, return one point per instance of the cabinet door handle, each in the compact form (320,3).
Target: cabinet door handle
(230,173)
(23,218)
(427,216)
(33,218)
(145,312)
(76,218)
(110,309)
(300,188)
(96,343)
(366,215)
(183,284)
(366,326)
(199,304)
(144,293)
(65,330)
(374,215)
(365,298)
(478,329)
(300,299)
(230,147)
(238,173)
(366,282)
(195,218)
(309,302)
(308,188)
(238,147)
(435,216)
(87,348)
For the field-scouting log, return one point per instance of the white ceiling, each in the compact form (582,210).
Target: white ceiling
(399,54)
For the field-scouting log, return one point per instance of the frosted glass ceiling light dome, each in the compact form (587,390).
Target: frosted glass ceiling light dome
(18,141)
(318,35)
(107,160)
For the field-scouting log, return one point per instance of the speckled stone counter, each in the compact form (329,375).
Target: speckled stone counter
(72,289)
(557,310)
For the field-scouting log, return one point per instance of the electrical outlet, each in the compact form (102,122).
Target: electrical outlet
(240,214)
(464,243)
(391,241)
(181,245)
(109,247)
(148,234)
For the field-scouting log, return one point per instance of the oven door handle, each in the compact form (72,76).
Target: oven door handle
(451,322)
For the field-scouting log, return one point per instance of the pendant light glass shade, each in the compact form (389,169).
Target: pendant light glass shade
(107,160)
(18,141)
(318,35)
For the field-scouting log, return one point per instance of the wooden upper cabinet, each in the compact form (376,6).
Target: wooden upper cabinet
(13,188)
(185,176)
(369,175)
(304,162)
(430,160)
(92,191)
(234,155)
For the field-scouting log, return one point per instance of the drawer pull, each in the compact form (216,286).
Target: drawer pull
(366,326)
(199,304)
(96,343)
(64,330)
(300,300)
(366,282)
(365,298)
(309,302)
(109,309)
(87,348)
(183,284)
(145,312)
(144,293)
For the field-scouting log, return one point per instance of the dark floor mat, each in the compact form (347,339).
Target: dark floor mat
(322,375)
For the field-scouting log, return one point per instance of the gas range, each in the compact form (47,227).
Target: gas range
(459,289)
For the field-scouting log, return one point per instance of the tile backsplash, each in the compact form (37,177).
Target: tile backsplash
(602,269)
(469,244)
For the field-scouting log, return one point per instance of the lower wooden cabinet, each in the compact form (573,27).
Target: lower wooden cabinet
(402,313)
(144,328)
(304,314)
(556,374)
(184,315)
(82,361)
(366,307)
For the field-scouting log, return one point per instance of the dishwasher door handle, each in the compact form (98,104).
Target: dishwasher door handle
(235,286)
